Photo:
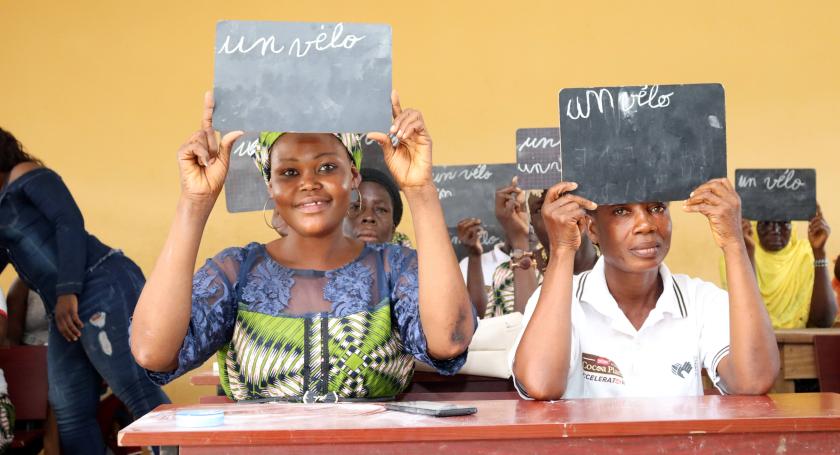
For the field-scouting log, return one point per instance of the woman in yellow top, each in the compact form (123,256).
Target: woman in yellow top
(792,273)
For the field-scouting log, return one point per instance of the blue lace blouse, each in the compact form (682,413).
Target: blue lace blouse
(250,279)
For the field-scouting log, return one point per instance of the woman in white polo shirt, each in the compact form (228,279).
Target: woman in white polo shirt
(629,327)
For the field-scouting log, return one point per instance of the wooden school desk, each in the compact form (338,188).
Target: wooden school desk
(794,423)
(798,361)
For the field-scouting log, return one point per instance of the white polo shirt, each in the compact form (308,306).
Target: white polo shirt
(688,329)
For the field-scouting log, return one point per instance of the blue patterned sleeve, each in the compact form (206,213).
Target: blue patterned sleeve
(405,295)
(212,316)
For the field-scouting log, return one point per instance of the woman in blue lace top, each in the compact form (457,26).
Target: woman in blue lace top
(316,314)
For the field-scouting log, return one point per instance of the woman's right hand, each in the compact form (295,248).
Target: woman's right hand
(564,215)
(469,234)
(203,162)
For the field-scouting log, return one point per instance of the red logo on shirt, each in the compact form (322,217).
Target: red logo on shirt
(601,369)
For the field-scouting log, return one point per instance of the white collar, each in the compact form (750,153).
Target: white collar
(592,290)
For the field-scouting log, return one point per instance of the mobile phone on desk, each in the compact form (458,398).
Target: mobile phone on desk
(430,408)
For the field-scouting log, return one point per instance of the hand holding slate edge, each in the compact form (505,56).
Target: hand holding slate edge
(720,203)
(512,213)
(818,232)
(203,162)
(565,216)
(749,242)
(410,162)
(469,232)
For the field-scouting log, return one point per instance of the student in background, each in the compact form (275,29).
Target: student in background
(629,327)
(515,279)
(28,323)
(7,415)
(381,305)
(89,290)
(792,273)
(374,216)
(835,284)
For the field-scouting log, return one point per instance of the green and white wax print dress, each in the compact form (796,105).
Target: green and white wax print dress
(352,332)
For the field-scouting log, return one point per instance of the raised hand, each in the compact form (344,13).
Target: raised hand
(818,231)
(411,161)
(747,231)
(469,234)
(718,201)
(564,215)
(512,213)
(202,160)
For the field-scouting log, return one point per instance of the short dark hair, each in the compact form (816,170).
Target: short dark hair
(12,153)
(377,176)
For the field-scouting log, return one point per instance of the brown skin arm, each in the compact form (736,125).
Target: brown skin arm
(823,305)
(542,371)
(203,163)
(16,299)
(753,362)
(445,309)
(469,231)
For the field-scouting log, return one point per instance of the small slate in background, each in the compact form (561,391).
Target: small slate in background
(777,194)
(245,189)
(638,144)
(469,191)
(303,77)
(538,160)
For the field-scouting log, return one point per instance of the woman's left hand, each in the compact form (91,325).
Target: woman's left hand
(818,231)
(720,203)
(411,161)
(66,316)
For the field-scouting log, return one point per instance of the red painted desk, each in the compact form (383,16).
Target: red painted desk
(793,423)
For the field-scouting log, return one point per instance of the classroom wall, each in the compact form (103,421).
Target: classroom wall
(105,91)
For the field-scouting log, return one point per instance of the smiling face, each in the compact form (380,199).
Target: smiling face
(773,235)
(373,219)
(311,180)
(632,237)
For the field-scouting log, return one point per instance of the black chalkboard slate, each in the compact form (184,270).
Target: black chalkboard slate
(373,157)
(538,160)
(245,189)
(469,191)
(777,194)
(303,77)
(637,144)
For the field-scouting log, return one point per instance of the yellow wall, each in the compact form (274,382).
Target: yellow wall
(105,91)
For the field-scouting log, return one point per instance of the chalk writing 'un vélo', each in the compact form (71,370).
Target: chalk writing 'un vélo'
(298,48)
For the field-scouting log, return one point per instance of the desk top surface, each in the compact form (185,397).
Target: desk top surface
(803,335)
(286,423)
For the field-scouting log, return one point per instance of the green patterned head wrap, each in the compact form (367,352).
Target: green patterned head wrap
(262,157)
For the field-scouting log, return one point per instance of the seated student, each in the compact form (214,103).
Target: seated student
(27,322)
(470,230)
(515,279)
(279,313)
(7,415)
(375,215)
(629,327)
(792,274)
(835,284)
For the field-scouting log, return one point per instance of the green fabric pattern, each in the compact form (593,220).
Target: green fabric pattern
(271,356)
